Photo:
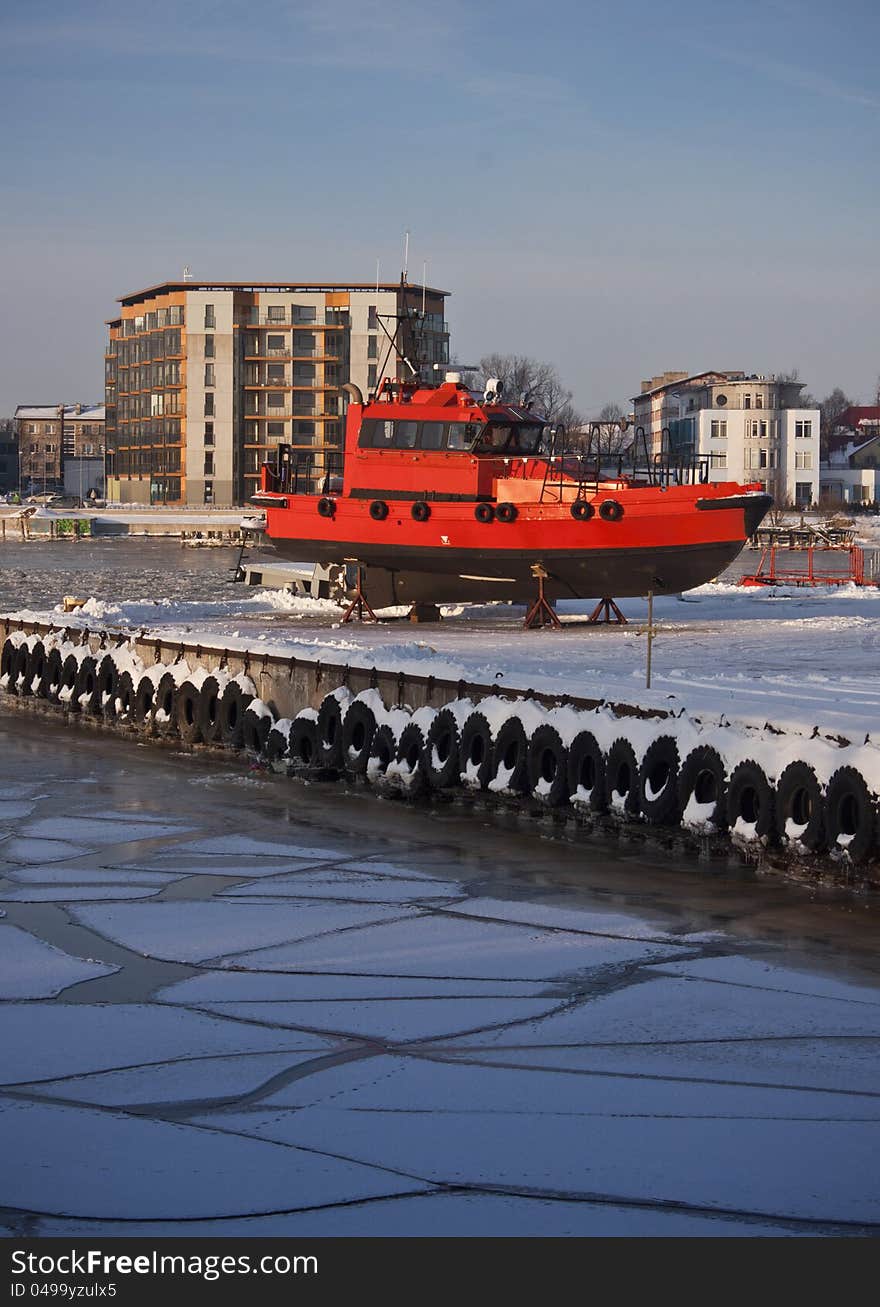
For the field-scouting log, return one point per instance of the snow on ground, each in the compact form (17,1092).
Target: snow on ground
(458,1006)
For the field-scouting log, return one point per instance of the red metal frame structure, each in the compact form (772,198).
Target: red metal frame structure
(767,572)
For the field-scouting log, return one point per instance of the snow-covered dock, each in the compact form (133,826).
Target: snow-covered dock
(798,795)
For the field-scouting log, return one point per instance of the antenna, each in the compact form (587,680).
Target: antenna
(187,275)
(377,276)
(424,284)
(405,254)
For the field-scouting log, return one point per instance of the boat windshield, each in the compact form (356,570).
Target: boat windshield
(509,438)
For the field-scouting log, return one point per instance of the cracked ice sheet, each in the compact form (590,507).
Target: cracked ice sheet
(157,1169)
(38,850)
(45,1042)
(220,866)
(432,1215)
(679,1009)
(759,974)
(90,876)
(30,968)
(254,987)
(847,1064)
(191,1080)
(197,932)
(339,886)
(423,1086)
(440,946)
(768,1167)
(247,846)
(77,893)
(10,809)
(390,1018)
(101,830)
(566,916)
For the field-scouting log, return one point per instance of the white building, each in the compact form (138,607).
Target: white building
(750,428)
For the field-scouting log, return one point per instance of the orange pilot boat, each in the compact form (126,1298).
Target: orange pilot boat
(444,497)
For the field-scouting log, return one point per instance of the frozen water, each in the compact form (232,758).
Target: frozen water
(29,968)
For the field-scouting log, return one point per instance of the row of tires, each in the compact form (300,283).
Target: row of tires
(610,510)
(463,746)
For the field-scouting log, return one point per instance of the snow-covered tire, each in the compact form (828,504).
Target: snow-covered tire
(107,683)
(383,752)
(187,710)
(548,767)
(164,705)
(411,760)
(233,706)
(143,701)
(511,755)
(475,752)
(209,710)
(36,668)
(302,743)
(851,814)
(329,732)
(703,779)
(358,730)
(125,695)
(800,807)
(586,771)
(658,782)
(255,732)
(441,751)
(751,803)
(52,676)
(622,778)
(7,662)
(18,681)
(85,692)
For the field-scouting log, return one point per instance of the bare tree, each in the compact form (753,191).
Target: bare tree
(830,409)
(530,383)
(608,434)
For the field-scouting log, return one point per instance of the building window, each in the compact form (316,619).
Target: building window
(763,460)
(209,347)
(209,433)
(759,401)
(209,464)
(718,460)
(209,374)
(305,313)
(372,347)
(803,430)
(275,313)
(274,344)
(209,405)
(210,321)
(719,431)
(371,376)
(803,459)
(763,429)
(209,492)
(274,430)
(747,401)
(372,318)
(803,492)
(275,399)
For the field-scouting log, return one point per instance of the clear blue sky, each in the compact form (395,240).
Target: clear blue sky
(618,187)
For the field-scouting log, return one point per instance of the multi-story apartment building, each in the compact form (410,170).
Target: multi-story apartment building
(205,379)
(50,434)
(749,427)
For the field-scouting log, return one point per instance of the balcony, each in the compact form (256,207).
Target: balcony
(261,318)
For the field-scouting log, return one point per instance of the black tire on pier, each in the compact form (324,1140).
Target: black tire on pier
(441,751)
(255,730)
(144,696)
(107,686)
(278,742)
(586,771)
(358,729)
(303,746)
(751,801)
(800,808)
(622,779)
(18,681)
(187,710)
(209,710)
(658,782)
(475,752)
(851,813)
(511,754)
(411,757)
(328,732)
(703,779)
(7,662)
(164,705)
(85,692)
(36,669)
(233,706)
(548,767)
(125,697)
(52,676)
(69,674)
(383,752)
